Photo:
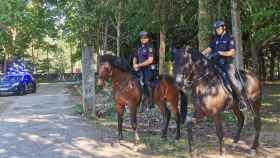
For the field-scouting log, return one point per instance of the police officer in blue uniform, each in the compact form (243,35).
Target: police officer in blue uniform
(222,49)
(143,63)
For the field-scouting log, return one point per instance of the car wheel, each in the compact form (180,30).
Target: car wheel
(34,88)
(21,90)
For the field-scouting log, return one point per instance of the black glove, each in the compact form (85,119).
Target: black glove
(214,56)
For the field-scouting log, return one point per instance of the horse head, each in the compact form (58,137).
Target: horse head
(183,65)
(104,71)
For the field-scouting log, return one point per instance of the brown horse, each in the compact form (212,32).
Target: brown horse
(128,92)
(211,97)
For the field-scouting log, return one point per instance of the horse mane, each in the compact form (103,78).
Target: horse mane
(202,60)
(199,58)
(197,55)
(117,62)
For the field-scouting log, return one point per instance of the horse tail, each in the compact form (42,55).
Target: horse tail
(184,106)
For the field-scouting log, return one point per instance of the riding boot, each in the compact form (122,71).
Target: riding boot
(243,104)
(150,98)
(237,88)
(146,96)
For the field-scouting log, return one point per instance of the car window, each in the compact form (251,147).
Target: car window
(12,78)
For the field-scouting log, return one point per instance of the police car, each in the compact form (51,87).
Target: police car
(18,80)
(18,84)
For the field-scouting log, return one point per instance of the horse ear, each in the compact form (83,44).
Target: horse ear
(187,50)
(106,64)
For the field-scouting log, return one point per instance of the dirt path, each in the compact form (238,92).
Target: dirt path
(42,126)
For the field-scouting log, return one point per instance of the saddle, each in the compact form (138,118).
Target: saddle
(153,84)
(226,81)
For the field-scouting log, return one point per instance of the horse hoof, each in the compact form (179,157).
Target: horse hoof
(222,156)
(234,145)
(253,153)
(135,148)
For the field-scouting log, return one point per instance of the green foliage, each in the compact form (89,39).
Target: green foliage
(42,66)
(78,109)
(24,22)
(261,20)
(82,23)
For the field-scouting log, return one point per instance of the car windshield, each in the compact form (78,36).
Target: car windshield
(12,78)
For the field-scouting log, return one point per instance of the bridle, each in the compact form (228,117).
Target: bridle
(191,82)
(108,70)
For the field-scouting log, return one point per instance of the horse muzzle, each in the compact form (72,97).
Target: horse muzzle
(179,80)
(100,83)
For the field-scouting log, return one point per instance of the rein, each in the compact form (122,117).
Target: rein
(200,78)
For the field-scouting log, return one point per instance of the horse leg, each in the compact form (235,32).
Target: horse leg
(257,125)
(190,135)
(120,111)
(197,116)
(240,122)
(178,133)
(133,120)
(166,117)
(219,131)
(177,118)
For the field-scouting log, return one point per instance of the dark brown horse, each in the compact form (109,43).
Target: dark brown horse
(210,97)
(128,92)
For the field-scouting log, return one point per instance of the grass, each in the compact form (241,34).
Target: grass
(78,109)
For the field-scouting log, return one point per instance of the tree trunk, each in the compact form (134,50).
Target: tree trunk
(272,65)
(105,37)
(48,61)
(204,21)
(278,67)
(255,59)
(235,18)
(88,80)
(33,55)
(5,61)
(162,46)
(219,10)
(119,22)
(14,36)
(262,71)
(71,57)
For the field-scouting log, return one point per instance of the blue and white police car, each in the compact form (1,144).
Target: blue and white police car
(17,81)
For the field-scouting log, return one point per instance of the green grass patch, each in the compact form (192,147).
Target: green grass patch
(77,109)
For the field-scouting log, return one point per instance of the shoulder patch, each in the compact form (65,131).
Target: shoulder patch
(150,49)
(232,42)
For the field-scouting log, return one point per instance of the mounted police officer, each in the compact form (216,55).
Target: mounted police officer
(144,64)
(222,49)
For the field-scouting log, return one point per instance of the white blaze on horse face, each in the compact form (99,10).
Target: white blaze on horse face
(100,83)
(179,78)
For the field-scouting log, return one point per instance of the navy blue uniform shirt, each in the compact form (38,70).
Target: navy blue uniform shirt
(223,43)
(144,52)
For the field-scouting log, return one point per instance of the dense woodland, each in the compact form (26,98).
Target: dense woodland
(113,25)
